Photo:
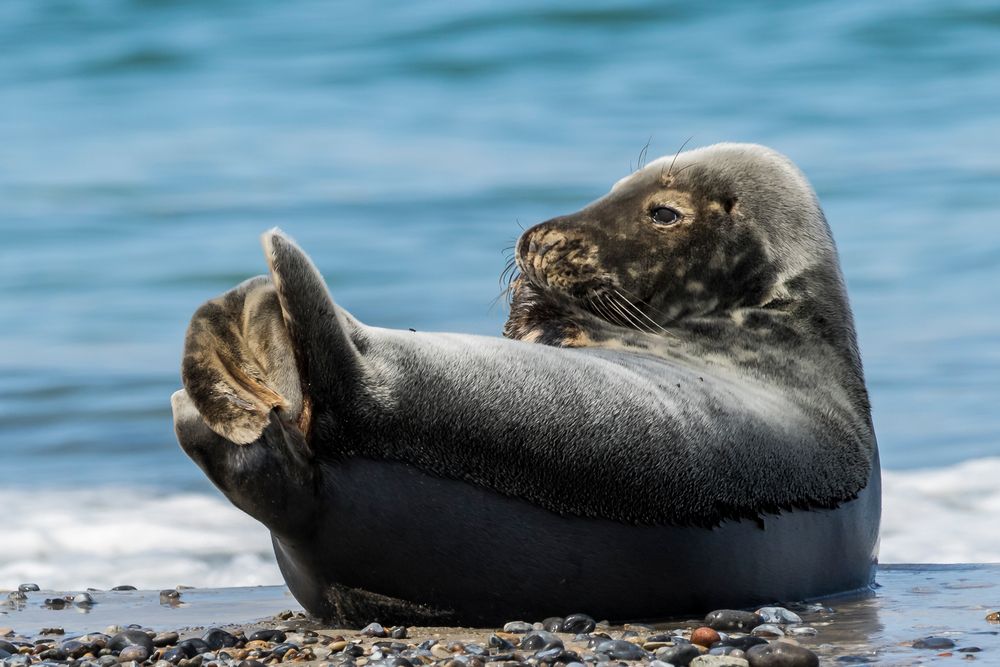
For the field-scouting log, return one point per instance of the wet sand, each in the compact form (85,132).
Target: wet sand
(911,602)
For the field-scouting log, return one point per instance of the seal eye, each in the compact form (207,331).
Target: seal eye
(664,215)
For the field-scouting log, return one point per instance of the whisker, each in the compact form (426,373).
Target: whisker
(631,320)
(671,170)
(682,169)
(648,305)
(602,311)
(642,154)
(625,301)
(505,295)
(509,269)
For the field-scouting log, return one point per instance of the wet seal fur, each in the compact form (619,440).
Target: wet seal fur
(693,431)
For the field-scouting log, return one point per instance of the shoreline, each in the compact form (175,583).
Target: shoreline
(909,603)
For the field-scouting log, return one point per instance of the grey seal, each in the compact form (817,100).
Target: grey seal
(677,420)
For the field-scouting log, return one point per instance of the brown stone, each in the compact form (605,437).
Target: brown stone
(704,636)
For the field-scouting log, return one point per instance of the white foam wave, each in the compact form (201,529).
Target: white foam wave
(943,515)
(108,536)
(102,537)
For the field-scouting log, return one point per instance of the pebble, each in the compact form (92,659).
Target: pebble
(728,650)
(518,627)
(281,650)
(55,603)
(742,643)
(374,630)
(134,652)
(52,654)
(768,631)
(552,624)
(778,615)
(276,636)
(705,636)
(173,655)
(936,643)
(83,600)
(556,654)
(28,588)
(652,646)
(193,647)
(398,632)
(165,639)
(540,639)
(440,652)
(124,587)
(619,649)
(680,655)
(733,620)
(578,624)
(217,638)
(781,654)
(130,638)
(993,617)
(719,661)
(170,596)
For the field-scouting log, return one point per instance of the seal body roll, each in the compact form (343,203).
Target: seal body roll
(677,420)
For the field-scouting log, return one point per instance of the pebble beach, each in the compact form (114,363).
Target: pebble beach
(915,615)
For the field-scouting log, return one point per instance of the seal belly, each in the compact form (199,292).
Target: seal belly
(439,550)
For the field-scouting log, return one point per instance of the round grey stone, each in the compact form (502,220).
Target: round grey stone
(767,630)
(518,627)
(781,654)
(733,620)
(778,615)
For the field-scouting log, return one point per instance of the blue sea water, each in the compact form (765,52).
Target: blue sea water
(145,145)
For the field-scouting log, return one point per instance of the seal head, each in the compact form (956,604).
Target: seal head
(721,252)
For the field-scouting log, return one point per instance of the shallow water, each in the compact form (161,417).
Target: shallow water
(910,603)
(147,144)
